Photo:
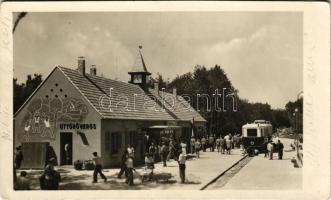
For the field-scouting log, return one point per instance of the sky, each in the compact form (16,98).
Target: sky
(261,52)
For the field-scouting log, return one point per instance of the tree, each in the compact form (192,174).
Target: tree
(24,90)
(296,118)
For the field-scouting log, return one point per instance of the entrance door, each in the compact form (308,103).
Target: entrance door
(66,148)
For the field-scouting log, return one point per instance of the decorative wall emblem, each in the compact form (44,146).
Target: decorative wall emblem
(44,114)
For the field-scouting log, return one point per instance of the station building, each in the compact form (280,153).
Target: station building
(74,113)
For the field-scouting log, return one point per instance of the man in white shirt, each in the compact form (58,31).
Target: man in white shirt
(130,150)
(270,148)
(182,166)
(97,168)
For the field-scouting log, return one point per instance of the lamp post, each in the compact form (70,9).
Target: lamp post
(296,129)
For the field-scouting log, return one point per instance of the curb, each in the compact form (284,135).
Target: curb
(217,177)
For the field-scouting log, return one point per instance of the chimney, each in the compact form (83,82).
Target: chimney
(81,65)
(156,87)
(93,70)
(174,92)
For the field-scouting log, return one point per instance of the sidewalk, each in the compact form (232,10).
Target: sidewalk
(264,174)
(198,173)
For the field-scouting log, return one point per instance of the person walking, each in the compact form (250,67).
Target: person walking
(50,179)
(97,168)
(18,157)
(152,150)
(171,150)
(197,146)
(130,150)
(203,143)
(22,183)
(211,143)
(218,144)
(280,150)
(265,147)
(183,147)
(270,147)
(227,139)
(164,154)
(124,170)
(129,166)
(192,142)
(182,166)
(149,164)
(222,145)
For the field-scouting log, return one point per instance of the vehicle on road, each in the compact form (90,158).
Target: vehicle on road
(254,135)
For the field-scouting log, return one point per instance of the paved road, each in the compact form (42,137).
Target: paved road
(198,172)
(264,174)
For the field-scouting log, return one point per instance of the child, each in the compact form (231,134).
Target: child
(149,165)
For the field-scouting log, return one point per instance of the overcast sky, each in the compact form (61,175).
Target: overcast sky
(260,52)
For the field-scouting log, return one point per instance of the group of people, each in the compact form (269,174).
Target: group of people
(269,149)
(49,179)
(222,144)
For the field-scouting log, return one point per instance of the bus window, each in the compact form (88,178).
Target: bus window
(251,132)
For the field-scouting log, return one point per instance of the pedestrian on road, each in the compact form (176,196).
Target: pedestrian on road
(203,143)
(130,150)
(164,154)
(183,147)
(182,166)
(192,142)
(18,157)
(280,150)
(218,144)
(22,183)
(223,145)
(270,150)
(149,164)
(152,150)
(124,170)
(97,168)
(129,166)
(197,146)
(50,179)
(171,150)
(228,142)
(265,147)
(211,143)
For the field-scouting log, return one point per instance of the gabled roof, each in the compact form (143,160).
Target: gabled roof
(128,101)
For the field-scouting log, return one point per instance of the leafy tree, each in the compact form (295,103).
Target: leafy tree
(296,118)
(24,90)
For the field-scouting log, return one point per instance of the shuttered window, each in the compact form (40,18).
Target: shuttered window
(113,142)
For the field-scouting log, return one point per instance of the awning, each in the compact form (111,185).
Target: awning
(164,127)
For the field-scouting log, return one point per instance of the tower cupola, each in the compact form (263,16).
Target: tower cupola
(139,74)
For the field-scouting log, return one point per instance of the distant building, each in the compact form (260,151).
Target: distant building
(74,113)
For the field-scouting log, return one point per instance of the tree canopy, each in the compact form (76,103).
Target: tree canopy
(22,91)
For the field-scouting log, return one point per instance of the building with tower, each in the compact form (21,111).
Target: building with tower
(74,113)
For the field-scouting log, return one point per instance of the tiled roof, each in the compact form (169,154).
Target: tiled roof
(128,101)
(178,105)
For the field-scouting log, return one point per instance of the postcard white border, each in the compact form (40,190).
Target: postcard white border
(316,77)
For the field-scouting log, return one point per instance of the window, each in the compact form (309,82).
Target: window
(113,142)
(251,132)
(131,138)
(137,78)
